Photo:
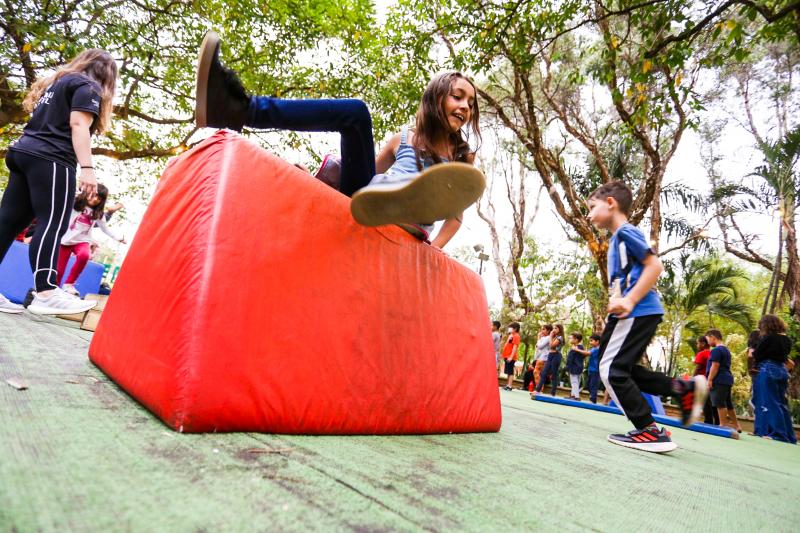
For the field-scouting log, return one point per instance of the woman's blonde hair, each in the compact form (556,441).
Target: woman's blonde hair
(95,63)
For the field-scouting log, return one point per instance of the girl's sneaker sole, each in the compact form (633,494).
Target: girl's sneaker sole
(205,58)
(439,192)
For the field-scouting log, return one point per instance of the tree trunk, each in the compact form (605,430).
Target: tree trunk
(599,306)
(655,217)
(503,278)
(773,279)
(792,284)
(773,298)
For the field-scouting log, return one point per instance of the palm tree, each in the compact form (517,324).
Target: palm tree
(694,291)
(778,190)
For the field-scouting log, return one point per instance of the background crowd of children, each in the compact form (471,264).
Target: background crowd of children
(768,365)
(545,368)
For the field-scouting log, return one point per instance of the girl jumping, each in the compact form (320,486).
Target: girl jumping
(67,108)
(422,175)
(88,213)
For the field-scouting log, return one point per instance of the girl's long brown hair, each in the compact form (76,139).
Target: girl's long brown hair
(560,332)
(431,120)
(95,63)
(771,324)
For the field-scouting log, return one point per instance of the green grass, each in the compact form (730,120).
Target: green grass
(76,453)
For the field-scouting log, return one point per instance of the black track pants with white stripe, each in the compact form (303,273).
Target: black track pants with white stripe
(45,190)
(622,345)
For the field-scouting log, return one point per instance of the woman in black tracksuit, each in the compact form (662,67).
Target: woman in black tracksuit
(67,108)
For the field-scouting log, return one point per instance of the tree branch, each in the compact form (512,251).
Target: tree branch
(123,155)
(699,234)
(125,112)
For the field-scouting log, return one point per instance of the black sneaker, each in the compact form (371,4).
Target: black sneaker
(649,439)
(221,101)
(692,399)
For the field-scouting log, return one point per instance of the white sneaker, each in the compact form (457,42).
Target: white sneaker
(70,289)
(439,192)
(7,306)
(59,303)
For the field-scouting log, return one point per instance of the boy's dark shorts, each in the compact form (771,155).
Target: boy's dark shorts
(721,397)
(509,368)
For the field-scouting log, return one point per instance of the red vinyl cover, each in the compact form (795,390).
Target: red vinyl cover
(250,300)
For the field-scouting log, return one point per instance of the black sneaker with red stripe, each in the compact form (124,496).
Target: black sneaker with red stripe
(691,397)
(649,439)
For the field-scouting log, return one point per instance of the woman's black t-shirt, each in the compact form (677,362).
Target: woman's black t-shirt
(48,134)
(773,347)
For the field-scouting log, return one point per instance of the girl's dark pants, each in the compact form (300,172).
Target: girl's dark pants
(349,117)
(41,189)
(550,369)
(772,416)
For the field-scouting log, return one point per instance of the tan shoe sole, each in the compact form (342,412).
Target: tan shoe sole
(204,60)
(439,192)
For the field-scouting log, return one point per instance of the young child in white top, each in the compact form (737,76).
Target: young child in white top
(87,213)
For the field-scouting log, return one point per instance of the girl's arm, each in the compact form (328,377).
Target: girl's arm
(101,223)
(80,123)
(451,225)
(446,232)
(386,157)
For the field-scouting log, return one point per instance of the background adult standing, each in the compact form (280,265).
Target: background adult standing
(67,108)
(772,417)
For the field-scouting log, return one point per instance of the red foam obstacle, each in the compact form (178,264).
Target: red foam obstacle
(251,301)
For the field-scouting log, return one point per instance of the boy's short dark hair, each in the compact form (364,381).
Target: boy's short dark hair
(548,327)
(496,324)
(717,334)
(578,336)
(595,337)
(515,326)
(618,191)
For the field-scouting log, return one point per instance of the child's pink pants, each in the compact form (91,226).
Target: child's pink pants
(82,253)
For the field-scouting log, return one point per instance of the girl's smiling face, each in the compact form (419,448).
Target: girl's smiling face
(458,104)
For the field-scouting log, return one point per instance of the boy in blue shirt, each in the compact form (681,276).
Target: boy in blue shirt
(720,380)
(594,367)
(635,311)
